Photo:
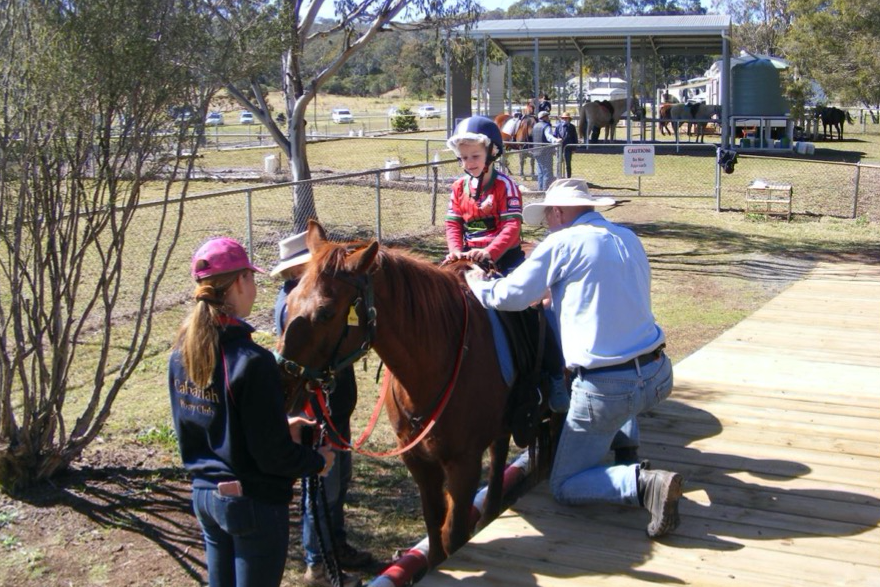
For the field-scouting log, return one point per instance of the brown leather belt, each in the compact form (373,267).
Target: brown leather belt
(642,359)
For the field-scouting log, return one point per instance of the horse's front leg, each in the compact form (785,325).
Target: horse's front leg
(462,480)
(429,478)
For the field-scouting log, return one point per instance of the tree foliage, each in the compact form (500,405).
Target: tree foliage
(87,87)
(837,43)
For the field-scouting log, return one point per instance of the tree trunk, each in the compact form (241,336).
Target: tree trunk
(303,194)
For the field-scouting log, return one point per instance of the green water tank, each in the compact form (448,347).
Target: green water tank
(756,89)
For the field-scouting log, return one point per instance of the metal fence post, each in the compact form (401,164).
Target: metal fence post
(717,186)
(379,206)
(855,205)
(249,218)
(427,162)
(434,197)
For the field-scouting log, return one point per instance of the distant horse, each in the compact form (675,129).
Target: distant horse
(833,117)
(695,113)
(605,114)
(437,342)
(517,135)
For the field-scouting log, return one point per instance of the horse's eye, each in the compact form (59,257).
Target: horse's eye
(324,314)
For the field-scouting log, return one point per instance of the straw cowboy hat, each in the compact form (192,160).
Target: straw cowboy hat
(564,192)
(566,115)
(292,251)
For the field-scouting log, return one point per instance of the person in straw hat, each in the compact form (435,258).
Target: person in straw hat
(227,405)
(568,136)
(600,288)
(294,256)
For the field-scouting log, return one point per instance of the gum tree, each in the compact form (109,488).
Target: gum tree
(269,30)
(87,86)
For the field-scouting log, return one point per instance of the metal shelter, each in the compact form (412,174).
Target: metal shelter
(609,35)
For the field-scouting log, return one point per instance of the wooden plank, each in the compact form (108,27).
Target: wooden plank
(775,426)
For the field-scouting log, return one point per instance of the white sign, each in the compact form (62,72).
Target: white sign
(638,159)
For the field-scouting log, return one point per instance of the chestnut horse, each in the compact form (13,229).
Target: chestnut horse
(433,335)
(517,136)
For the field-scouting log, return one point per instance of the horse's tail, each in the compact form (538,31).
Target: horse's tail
(849,118)
(582,125)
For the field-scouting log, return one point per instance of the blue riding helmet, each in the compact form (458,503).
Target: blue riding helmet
(480,129)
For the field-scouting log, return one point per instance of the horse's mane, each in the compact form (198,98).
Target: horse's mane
(425,293)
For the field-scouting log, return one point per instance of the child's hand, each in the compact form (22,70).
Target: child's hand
(478,256)
(476,274)
(453,256)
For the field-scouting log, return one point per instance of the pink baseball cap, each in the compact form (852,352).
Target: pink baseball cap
(220,255)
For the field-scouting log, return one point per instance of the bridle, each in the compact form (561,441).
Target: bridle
(326,376)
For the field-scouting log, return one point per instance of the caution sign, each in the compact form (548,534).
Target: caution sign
(638,159)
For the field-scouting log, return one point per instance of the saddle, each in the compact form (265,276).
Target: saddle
(525,333)
(607,105)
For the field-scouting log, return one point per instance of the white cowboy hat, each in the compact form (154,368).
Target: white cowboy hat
(543,114)
(292,251)
(564,192)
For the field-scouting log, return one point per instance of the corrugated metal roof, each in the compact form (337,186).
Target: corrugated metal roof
(670,35)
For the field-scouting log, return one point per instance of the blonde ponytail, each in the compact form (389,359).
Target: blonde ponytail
(198,338)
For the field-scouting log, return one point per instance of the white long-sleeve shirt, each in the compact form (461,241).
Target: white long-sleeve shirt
(600,283)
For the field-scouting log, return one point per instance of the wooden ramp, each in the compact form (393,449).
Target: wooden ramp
(776,428)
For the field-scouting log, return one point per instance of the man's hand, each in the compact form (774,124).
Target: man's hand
(295,424)
(476,274)
(329,458)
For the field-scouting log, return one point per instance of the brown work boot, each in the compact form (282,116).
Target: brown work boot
(659,492)
(316,575)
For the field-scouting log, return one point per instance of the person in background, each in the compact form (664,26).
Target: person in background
(544,105)
(227,406)
(293,256)
(567,135)
(600,285)
(542,134)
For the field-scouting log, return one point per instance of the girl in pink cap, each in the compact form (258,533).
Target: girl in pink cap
(228,410)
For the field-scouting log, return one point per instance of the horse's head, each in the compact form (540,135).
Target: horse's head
(331,319)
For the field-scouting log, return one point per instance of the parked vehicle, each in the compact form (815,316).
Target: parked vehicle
(246,117)
(393,111)
(214,119)
(342,116)
(428,111)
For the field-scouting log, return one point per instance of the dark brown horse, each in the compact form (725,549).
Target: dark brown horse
(423,321)
(699,114)
(517,136)
(833,117)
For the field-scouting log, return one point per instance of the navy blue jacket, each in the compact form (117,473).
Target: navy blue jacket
(236,428)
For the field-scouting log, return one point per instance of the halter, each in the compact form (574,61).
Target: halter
(327,376)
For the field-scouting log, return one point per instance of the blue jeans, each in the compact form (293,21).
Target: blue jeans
(544,162)
(602,405)
(245,539)
(336,487)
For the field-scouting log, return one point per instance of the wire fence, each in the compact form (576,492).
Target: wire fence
(403,199)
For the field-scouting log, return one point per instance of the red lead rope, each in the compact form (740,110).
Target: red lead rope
(447,393)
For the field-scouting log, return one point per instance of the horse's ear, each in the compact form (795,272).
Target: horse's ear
(361,260)
(315,236)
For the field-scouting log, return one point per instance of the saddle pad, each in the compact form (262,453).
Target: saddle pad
(510,127)
(502,348)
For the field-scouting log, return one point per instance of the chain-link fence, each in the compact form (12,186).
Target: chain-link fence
(395,196)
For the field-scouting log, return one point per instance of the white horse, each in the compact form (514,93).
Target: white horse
(605,114)
(699,114)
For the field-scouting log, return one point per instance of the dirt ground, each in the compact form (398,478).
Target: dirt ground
(121,516)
